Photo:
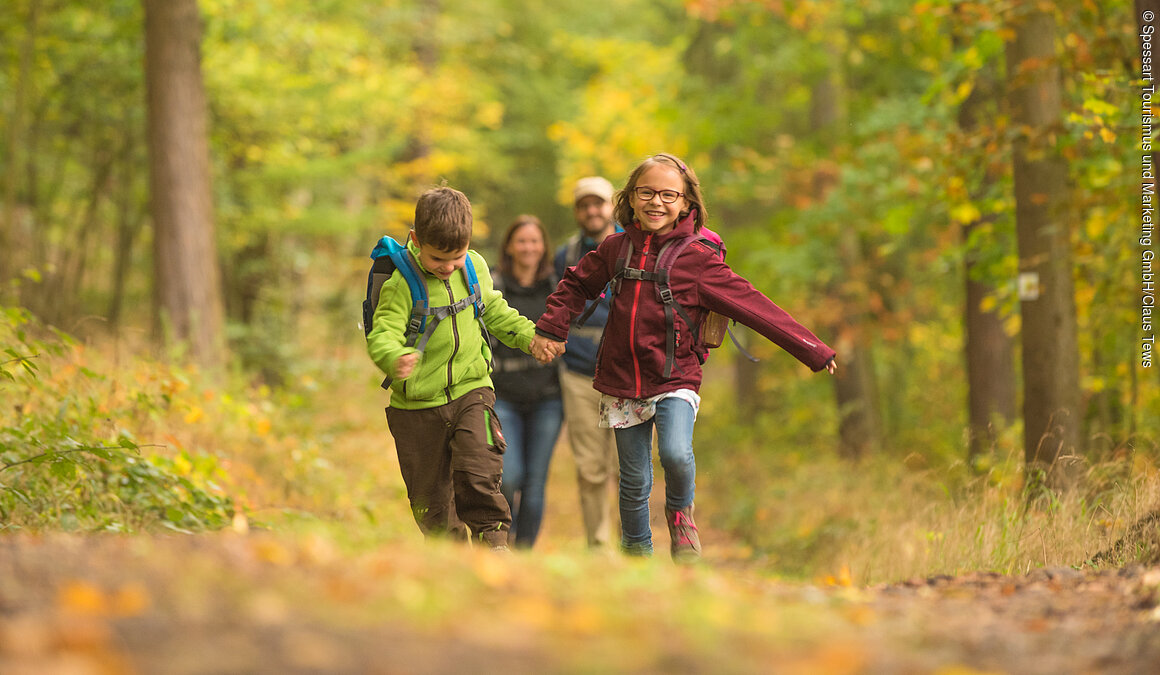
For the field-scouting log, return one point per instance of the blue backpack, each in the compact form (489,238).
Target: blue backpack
(388,256)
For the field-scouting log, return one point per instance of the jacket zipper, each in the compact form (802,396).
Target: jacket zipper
(632,320)
(455,333)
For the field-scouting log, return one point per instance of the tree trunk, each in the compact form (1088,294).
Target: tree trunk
(990,357)
(989,351)
(859,425)
(62,305)
(702,60)
(10,243)
(130,219)
(1050,352)
(187,278)
(855,392)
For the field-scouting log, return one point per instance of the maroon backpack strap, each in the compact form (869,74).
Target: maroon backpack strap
(613,286)
(665,259)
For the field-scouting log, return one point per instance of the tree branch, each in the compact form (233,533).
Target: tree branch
(90,448)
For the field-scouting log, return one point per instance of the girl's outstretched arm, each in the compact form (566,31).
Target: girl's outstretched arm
(722,290)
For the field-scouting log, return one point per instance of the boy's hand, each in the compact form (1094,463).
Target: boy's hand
(545,350)
(832,365)
(406,365)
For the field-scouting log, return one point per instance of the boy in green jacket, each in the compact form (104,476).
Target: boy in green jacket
(441,412)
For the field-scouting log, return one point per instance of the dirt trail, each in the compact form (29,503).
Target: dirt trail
(227,604)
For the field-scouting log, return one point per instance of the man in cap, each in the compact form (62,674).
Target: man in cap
(593,447)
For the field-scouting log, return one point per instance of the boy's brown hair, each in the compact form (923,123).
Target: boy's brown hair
(443,219)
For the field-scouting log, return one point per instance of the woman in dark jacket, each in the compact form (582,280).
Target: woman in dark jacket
(527,393)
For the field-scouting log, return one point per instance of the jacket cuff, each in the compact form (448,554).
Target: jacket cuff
(543,333)
(826,363)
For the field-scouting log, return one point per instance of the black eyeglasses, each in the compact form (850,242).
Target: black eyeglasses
(667,196)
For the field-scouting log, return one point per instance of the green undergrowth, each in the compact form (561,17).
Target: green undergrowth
(70,457)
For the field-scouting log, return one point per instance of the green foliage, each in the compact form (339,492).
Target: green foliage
(64,462)
(73,96)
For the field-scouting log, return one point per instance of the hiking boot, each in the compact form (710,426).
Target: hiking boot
(686,544)
(496,540)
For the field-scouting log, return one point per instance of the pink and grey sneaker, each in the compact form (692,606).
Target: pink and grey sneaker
(686,544)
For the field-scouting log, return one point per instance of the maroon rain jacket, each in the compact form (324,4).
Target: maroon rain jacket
(631,362)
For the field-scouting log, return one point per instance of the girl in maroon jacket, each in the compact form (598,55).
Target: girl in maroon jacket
(649,365)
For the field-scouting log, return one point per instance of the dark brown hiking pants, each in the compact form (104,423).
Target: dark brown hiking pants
(451,458)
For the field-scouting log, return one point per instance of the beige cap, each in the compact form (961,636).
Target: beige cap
(592,185)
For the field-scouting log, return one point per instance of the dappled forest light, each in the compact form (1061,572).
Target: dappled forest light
(861,159)
(956,195)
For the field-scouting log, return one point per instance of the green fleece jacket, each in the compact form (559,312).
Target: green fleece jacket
(457,358)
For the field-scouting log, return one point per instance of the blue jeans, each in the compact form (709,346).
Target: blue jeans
(531,430)
(674,422)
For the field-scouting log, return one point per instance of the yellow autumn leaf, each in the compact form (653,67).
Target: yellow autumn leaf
(972,58)
(490,114)
(534,611)
(584,619)
(491,569)
(1096,224)
(841,578)
(182,466)
(965,212)
(272,552)
(963,90)
(195,414)
(132,599)
(82,597)
(1012,324)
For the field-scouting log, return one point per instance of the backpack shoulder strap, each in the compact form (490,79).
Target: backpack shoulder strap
(420,305)
(389,255)
(475,296)
(613,286)
(381,270)
(665,259)
(475,293)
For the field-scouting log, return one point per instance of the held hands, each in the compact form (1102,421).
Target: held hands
(545,349)
(406,365)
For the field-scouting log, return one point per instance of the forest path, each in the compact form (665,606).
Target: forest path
(256,603)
